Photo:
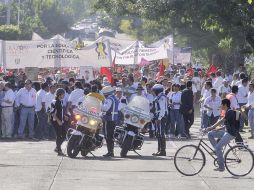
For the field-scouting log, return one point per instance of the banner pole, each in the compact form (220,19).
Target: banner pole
(4,55)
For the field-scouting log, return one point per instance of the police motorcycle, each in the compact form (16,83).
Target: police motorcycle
(136,116)
(85,138)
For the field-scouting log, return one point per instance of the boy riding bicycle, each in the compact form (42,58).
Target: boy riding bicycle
(231,123)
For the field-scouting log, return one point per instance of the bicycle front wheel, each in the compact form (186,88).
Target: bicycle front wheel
(189,160)
(239,160)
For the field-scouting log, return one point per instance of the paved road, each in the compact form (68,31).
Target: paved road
(34,166)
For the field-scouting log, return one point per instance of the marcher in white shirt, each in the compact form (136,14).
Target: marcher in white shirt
(50,96)
(7,114)
(26,100)
(177,127)
(241,76)
(41,112)
(74,97)
(224,89)
(206,94)
(212,105)
(218,82)
(197,81)
(250,105)
(242,93)
(235,79)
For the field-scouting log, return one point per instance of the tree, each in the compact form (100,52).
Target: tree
(9,32)
(223,28)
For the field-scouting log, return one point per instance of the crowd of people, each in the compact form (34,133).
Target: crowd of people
(174,96)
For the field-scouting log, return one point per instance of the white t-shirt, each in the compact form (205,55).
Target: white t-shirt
(224,89)
(75,95)
(214,104)
(197,82)
(49,99)
(176,98)
(242,94)
(218,83)
(40,98)
(25,97)
(9,96)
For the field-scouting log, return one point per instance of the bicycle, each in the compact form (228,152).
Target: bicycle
(189,160)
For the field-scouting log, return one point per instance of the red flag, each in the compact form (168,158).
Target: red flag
(105,71)
(190,72)
(162,68)
(161,71)
(212,69)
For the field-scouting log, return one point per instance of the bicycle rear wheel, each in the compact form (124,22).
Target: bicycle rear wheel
(239,160)
(189,160)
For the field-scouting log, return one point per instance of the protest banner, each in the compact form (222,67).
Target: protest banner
(134,54)
(55,53)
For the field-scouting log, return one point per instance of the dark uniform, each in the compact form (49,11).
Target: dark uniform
(110,117)
(160,108)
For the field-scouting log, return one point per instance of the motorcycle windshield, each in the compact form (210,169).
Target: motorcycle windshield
(92,104)
(140,104)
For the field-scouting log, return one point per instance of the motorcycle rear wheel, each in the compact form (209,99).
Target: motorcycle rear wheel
(73,146)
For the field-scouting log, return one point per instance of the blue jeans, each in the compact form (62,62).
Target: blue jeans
(205,120)
(26,114)
(176,122)
(251,120)
(225,138)
(42,130)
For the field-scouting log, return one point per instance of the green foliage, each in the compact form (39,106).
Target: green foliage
(46,17)
(9,32)
(219,27)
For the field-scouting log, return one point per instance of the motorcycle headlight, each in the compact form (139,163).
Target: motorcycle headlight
(134,119)
(92,122)
(77,117)
(84,119)
(142,121)
(127,116)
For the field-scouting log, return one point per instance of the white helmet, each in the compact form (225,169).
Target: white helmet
(158,88)
(107,90)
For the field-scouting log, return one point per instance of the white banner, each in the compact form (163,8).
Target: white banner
(137,52)
(55,53)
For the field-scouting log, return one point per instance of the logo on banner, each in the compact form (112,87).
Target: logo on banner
(101,50)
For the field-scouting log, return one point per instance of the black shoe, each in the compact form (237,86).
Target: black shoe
(60,153)
(123,156)
(56,150)
(162,153)
(109,154)
(155,154)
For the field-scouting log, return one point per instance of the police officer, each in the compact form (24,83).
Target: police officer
(160,107)
(110,116)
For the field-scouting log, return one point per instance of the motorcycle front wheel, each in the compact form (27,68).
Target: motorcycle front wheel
(73,146)
(126,146)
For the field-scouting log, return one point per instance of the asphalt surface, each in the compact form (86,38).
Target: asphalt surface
(28,165)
